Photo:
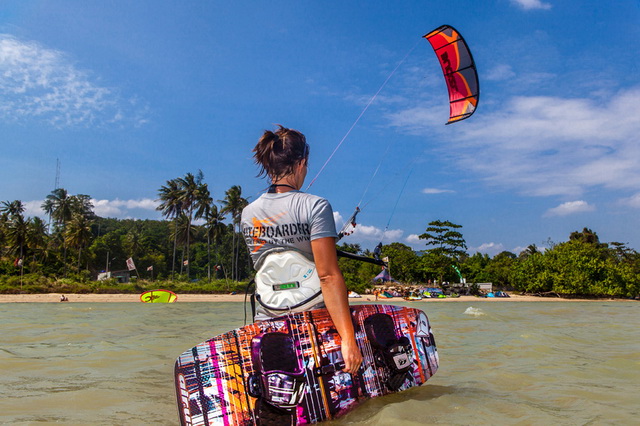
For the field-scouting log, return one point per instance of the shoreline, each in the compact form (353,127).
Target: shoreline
(126,298)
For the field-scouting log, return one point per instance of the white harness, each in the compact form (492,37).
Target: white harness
(286,281)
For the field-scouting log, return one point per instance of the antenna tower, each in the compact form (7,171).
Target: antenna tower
(57,184)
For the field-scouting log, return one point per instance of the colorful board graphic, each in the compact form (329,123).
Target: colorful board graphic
(158,296)
(288,370)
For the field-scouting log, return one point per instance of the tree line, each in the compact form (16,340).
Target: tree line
(194,242)
(200,240)
(581,266)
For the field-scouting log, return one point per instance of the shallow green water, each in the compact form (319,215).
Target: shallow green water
(524,363)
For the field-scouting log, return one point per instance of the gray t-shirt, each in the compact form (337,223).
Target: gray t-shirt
(287,220)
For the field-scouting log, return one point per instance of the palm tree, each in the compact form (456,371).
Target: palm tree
(196,200)
(4,226)
(234,203)
(82,204)
(17,233)
(136,239)
(37,238)
(78,233)
(59,206)
(12,221)
(171,207)
(182,233)
(214,228)
(12,208)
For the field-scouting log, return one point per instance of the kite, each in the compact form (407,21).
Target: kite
(459,71)
(158,296)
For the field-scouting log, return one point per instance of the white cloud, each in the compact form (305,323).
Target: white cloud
(487,248)
(543,145)
(633,201)
(367,235)
(40,83)
(120,208)
(431,191)
(117,208)
(370,234)
(413,239)
(570,207)
(532,4)
(32,208)
(500,72)
(337,218)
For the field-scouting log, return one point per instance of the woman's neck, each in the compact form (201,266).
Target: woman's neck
(281,187)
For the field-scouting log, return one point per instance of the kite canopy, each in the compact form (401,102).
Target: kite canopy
(384,276)
(158,296)
(459,71)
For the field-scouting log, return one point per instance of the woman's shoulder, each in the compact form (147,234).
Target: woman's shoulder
(312,198)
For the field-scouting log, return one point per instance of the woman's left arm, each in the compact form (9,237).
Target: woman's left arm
(334,292)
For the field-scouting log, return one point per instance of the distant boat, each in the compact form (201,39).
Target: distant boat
(158,296)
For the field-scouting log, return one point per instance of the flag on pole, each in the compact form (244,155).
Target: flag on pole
(130,265)
(150,268)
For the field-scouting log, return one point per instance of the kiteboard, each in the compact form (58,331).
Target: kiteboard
(158,296)
(288,370)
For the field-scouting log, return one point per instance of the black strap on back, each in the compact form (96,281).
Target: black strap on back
(253,301)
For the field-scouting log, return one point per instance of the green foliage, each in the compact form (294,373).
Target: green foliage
(578,267)
(67,258)
(403,262)
(448,246)
(357,275)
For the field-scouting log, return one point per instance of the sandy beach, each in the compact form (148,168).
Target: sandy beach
(102,298)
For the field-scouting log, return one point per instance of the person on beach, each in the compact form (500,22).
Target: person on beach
(291,237)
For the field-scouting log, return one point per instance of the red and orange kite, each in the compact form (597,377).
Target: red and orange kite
(459,71)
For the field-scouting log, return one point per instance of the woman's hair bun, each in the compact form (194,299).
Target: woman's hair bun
(278,152)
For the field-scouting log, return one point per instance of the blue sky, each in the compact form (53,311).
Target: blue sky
(127,95)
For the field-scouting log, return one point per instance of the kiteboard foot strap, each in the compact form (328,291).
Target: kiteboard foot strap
(389,351)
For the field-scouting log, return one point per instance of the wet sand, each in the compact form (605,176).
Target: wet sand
(102,298)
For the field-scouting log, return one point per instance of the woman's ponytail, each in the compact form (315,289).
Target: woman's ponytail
(278,152)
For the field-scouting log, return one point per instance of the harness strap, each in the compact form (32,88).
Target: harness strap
(288,308)
(253,301)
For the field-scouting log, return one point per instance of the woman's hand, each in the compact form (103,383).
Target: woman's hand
(352,356)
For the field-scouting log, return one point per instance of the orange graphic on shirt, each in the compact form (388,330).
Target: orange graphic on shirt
(258,229)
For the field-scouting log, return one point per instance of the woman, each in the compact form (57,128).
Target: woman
(291,236)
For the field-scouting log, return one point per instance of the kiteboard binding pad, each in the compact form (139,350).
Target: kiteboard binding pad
(288,370)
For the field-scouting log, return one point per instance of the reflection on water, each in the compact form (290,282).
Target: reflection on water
(501,363)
